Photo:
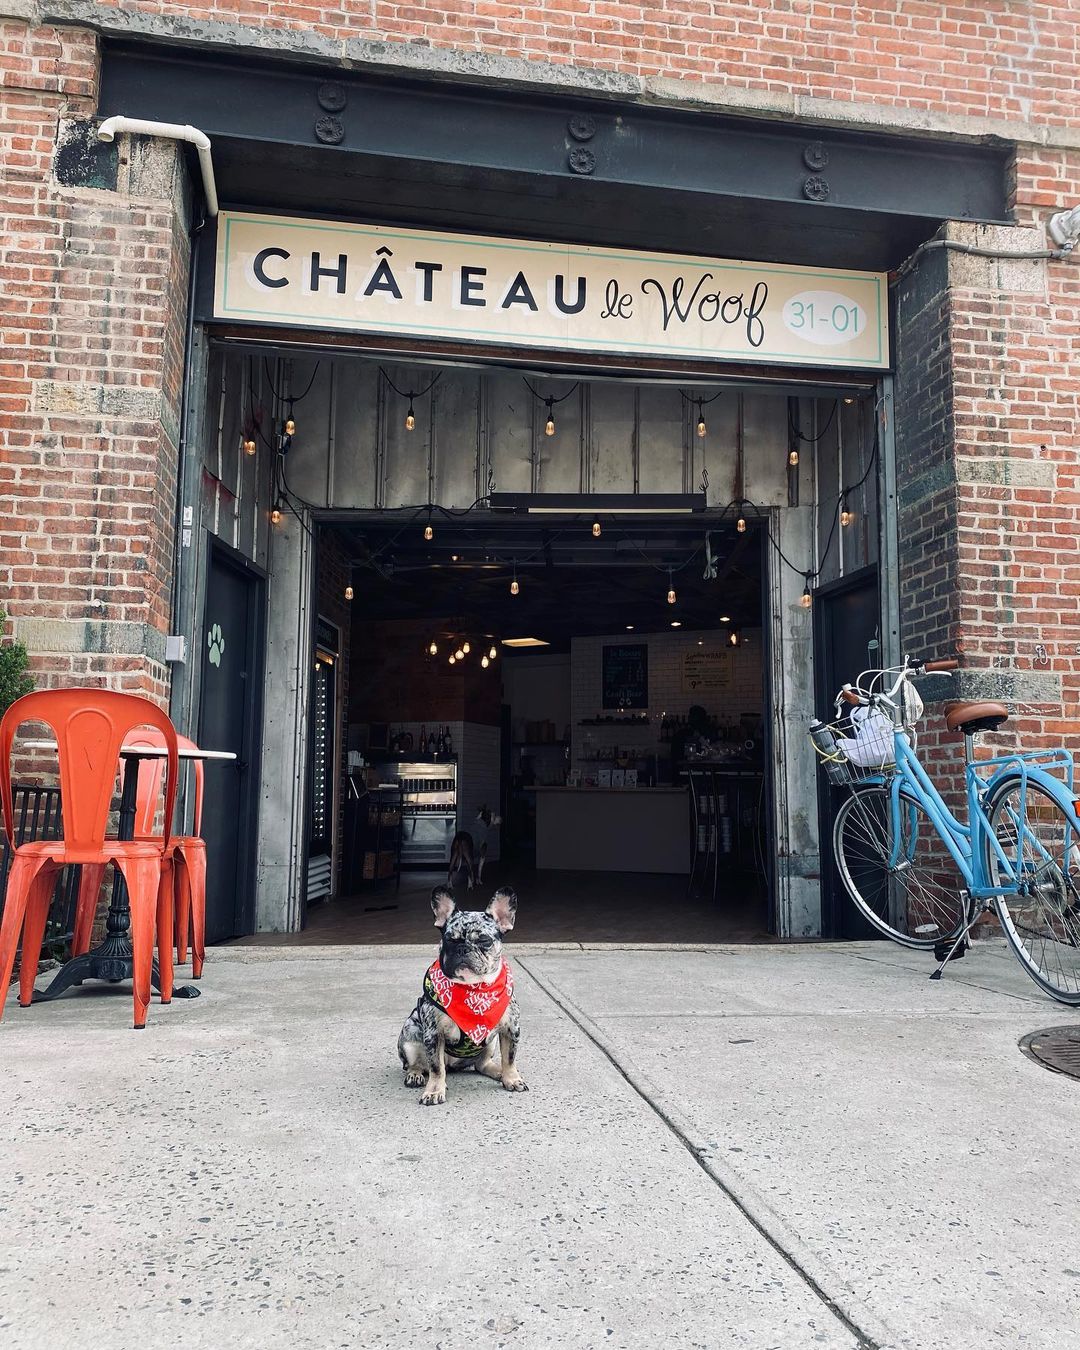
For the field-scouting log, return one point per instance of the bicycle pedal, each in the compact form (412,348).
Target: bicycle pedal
(941,951)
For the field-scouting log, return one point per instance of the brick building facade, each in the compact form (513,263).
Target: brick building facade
(95,249)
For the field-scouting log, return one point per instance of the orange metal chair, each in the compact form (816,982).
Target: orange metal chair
(185,855)
(89,726)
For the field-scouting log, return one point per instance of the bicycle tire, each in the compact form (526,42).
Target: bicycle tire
(1042,923)
(917,904)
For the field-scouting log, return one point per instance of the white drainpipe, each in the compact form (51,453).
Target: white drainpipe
(175,132)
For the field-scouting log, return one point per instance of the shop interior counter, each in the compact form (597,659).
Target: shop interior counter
(597,829)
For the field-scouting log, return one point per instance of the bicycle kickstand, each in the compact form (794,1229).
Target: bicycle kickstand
(960,943)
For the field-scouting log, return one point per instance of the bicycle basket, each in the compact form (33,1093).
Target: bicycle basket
(854,748)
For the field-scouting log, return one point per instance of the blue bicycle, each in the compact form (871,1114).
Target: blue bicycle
(921,875)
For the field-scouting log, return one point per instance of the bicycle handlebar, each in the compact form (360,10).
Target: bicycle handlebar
(949,663)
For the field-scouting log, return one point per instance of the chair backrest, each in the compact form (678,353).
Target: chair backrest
(89,726)
(150,781)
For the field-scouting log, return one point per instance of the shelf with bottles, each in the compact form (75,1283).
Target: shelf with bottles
(617,720)
(539,745)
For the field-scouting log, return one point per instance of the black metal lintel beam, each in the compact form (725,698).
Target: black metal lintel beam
(554,140)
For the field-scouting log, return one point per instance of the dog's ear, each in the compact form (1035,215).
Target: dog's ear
(442,905)
(503,908)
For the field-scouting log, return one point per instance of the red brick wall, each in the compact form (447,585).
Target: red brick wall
(1003,59)
(91,307)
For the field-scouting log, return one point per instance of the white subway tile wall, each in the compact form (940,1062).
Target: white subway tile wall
(667,695)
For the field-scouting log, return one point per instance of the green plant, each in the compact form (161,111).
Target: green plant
(14,679)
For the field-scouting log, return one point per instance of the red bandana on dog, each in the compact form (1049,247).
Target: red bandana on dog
(475,1009)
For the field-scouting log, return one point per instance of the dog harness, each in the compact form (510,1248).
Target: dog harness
(475,1009)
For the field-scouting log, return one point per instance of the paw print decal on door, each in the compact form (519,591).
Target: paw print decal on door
(215,640)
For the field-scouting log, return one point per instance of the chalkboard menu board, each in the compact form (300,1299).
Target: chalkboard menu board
(626,676)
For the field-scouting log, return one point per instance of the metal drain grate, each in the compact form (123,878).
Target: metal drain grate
(1056,1048)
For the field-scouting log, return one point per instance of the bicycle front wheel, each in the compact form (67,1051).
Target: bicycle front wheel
(1041,840)
(911,893)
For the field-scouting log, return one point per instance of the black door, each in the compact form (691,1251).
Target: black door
(229,718)
(846,642)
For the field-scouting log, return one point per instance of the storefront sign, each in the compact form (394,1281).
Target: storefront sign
(708,670)
(468,288)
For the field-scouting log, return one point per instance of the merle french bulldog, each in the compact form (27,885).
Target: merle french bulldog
(467,1001)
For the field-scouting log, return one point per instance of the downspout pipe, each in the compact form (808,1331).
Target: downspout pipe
(173,131)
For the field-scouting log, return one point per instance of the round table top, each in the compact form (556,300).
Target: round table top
(147,751)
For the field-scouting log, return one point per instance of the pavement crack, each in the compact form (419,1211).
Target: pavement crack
(817,1280)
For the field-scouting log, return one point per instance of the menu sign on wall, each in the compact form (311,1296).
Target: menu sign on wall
(471,288)
(708,670)
(625,676)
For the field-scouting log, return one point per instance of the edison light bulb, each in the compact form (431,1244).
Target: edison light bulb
(466,648)
(671,596)
(514,587)
(846,516)
(596,529)
(453,658)
(249,447)
(290,428)
(484,662)
(493,652)
(349,592)
(793,459)
(549,426)
(701,428)
(733,639)
(741,525)
(434,649)
(459,654)
(429,533)
(806,600)
(275,515)
(410,419)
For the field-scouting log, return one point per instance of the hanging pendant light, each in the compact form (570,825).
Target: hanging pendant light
(433,650)
(349,592)
(514,587)
(493,653)
(793,458)
(549,425)
(596,531)
(466,648)
(249,447)
(701,427)
(276,513)
(846,514)
(806,599)
(429,533)
(671,589)
(410,416)
(484,662)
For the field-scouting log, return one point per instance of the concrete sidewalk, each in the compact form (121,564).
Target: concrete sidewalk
(752,1146)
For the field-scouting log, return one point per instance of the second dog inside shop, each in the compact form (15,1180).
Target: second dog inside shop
(585,695)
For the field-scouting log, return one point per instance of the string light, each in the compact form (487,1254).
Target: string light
(793,458)
(549,425)
(806,599)
(349,592)
(733,638)
(596,529)
(671,589)
(290,427)
(460,654)
(493,653)
(484,662)
(846,515)
(740,524)
(701,427)
(249,447)
(466,648)
(410,416)
(514,587)
(275,514)
(453,658)
(429,533)
(433,650)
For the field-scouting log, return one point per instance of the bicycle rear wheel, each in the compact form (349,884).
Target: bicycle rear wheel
(1041,840)
(917,900)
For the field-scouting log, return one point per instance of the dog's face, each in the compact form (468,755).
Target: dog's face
(471,949)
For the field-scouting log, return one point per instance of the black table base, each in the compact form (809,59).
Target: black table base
(113,960)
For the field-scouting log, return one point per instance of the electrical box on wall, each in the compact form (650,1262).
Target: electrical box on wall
(176,649)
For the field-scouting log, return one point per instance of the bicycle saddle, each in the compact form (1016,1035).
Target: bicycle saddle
(972,717)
